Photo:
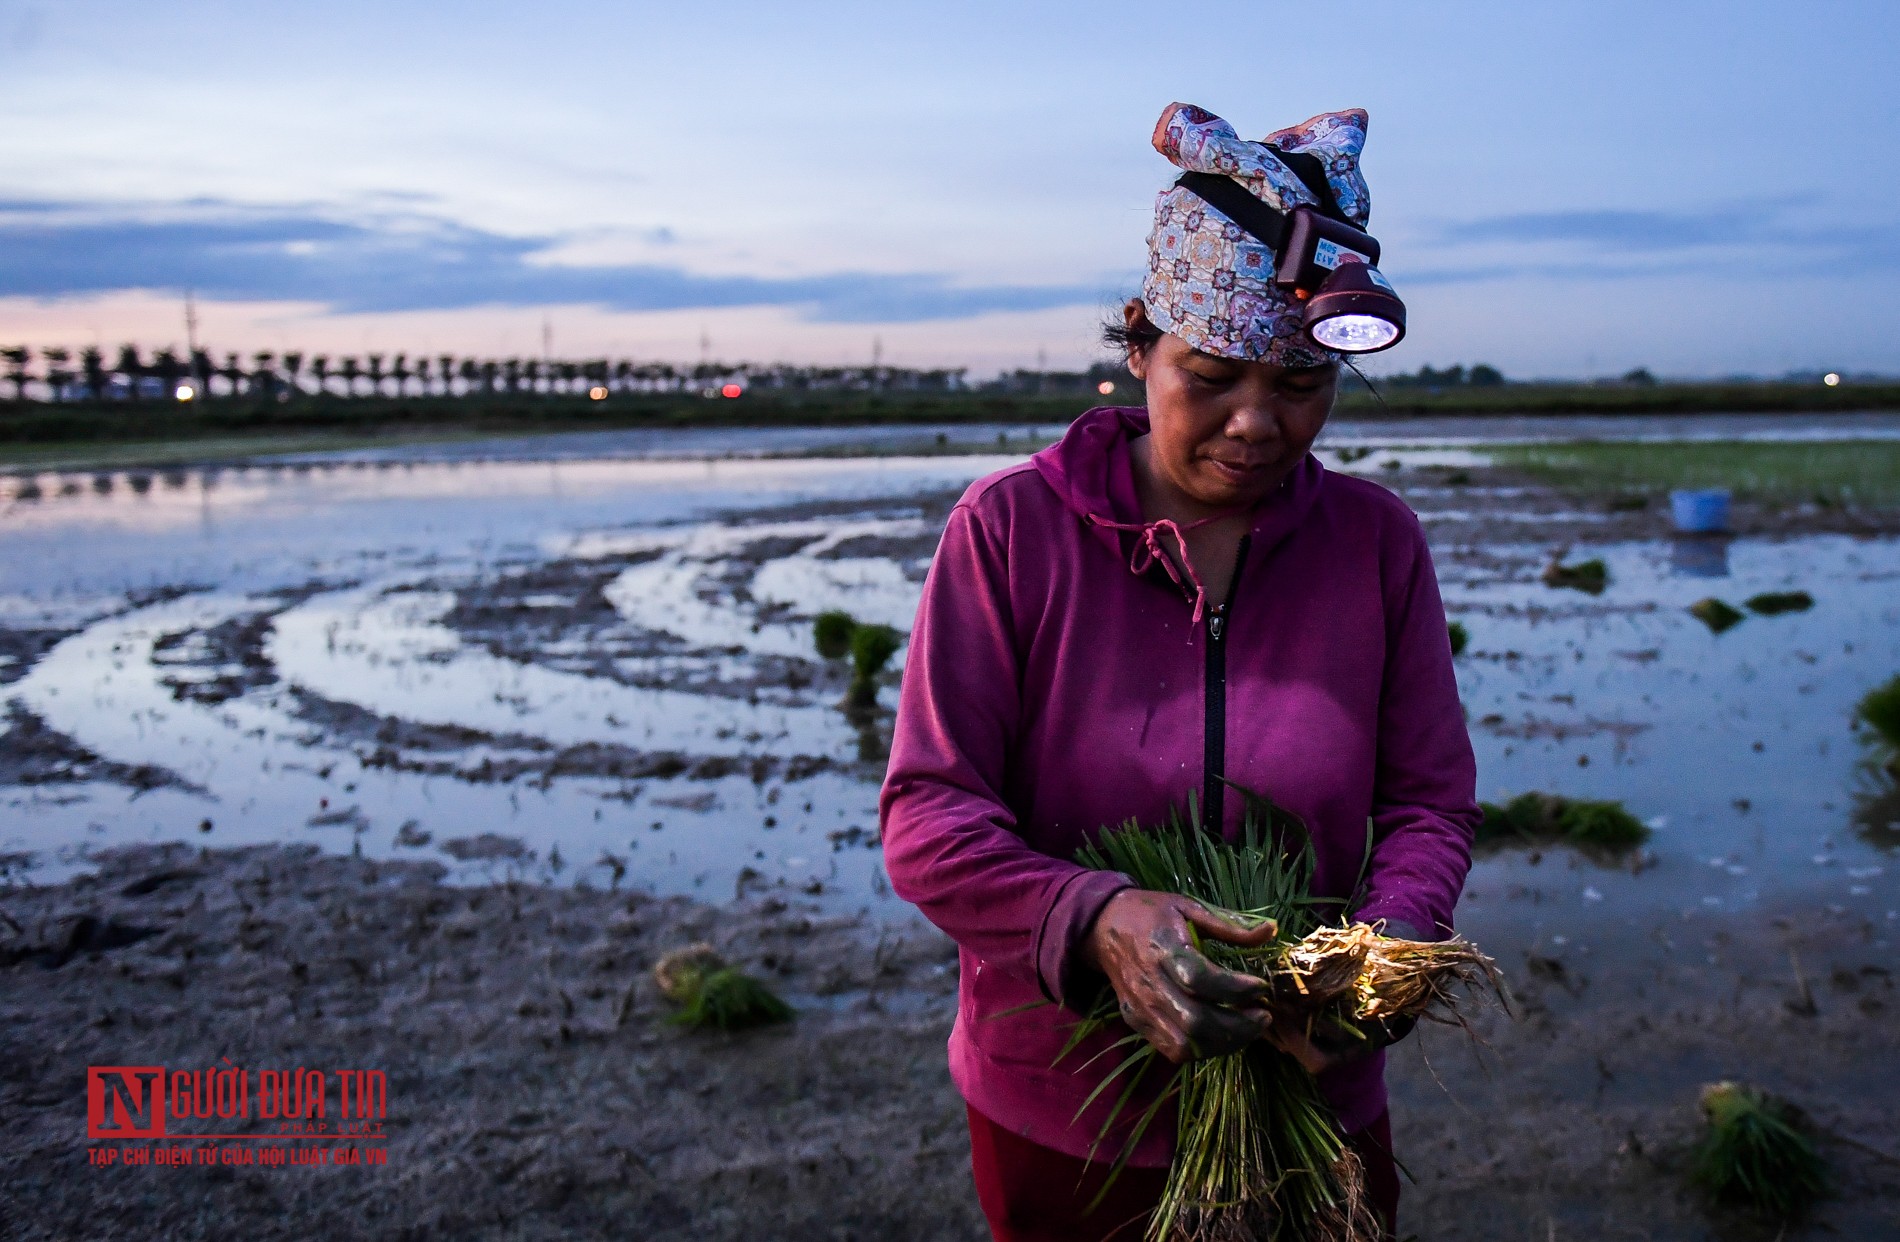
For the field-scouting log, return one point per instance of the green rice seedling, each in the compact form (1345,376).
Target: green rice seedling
(731,1000)
(1774,603)
(1717,614)
(872,647)
(1460,637)
(1589,576)
(1881,710)
(1756,1152)
(831,634)
(713,995)
(1258,1153)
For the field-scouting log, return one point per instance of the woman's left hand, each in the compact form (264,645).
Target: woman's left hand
(1326,1048)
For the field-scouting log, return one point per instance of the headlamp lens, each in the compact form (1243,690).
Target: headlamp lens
(1355,334)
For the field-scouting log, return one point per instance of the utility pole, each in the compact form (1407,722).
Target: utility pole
(547,351)
(201,386)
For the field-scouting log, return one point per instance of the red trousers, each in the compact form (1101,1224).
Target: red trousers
(1032,1194)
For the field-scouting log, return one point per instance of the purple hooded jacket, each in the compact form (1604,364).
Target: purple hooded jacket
(1050,691)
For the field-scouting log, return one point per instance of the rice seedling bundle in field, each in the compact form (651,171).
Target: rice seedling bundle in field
(1599,827)
(1717,614)
(1259,1154)
(710,993)
(1880,708)
(1756,1152)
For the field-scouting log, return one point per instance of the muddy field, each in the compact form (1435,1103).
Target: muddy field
(536,1090)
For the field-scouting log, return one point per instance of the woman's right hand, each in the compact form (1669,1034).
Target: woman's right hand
(1170,993)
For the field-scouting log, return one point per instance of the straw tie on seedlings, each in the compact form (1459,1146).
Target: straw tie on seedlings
(1774,603)
(1259,1154)
(713,994)
(831,634)
(1589,576)
(1717,614)
(1757,1152)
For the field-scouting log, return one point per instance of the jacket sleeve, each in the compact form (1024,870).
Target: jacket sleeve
(951,842)
(1424,806)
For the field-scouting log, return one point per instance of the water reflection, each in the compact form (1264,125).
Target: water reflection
(1699,556)
(612,659)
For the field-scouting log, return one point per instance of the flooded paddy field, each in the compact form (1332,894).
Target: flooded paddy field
(584,691)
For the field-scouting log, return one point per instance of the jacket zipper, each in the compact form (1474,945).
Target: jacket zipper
(1214,729)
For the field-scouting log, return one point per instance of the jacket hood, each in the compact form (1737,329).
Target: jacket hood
(1089,468)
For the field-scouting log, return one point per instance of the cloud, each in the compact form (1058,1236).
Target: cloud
(1625,230)
(411,261)
(1764,239)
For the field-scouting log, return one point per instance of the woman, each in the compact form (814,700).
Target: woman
(1167,600)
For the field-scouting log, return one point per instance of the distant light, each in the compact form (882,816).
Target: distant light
(597,393)
(1105,387)
(731,390)
(1831,379)
(185,392)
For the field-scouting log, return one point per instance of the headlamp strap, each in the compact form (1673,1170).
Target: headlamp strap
(1237,203)
(1312,173)
(1268,224)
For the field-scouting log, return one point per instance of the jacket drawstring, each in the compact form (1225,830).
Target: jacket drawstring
(1149,550)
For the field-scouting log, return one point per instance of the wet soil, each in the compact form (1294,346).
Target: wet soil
(33,754)
(537,1091)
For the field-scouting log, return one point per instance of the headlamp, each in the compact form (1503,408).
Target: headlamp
(1318,256)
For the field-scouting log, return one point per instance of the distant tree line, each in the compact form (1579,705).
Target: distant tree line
(56,374)
(1482,375)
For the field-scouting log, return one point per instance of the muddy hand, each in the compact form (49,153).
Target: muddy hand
(1327,1045)
(1170,993)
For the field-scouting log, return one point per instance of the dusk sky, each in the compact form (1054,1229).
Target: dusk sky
(1562,189)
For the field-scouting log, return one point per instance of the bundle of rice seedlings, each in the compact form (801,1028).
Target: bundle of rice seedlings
(872,647)
(713,994)
(1589,576)
(1259,1153)
(1756,1152)
(831,634)
(1881,710)
(1774,603)
(1460,637)
(1717,614)
(1604,827)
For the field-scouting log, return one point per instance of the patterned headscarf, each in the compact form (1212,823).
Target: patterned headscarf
(1209,281)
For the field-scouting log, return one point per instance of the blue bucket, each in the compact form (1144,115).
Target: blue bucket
(1702,512)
